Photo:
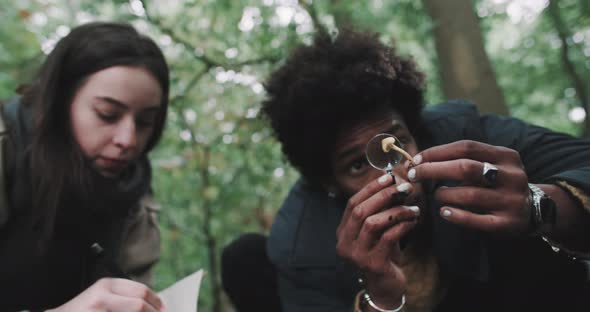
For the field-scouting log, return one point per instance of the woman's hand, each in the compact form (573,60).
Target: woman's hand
(503,207)
(114,295)
(369,234)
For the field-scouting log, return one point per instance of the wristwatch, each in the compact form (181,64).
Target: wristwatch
(543,212)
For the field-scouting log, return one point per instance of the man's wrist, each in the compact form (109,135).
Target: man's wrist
(383,305)
(543,212)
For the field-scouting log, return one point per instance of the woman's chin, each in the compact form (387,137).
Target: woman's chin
(106,173)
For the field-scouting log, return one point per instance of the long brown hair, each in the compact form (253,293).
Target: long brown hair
(54,158)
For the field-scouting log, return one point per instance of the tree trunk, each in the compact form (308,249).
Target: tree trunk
(465,69)
(568,65)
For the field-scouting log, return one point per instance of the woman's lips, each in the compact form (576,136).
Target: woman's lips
(112,164)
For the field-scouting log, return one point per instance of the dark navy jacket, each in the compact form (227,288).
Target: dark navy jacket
(487,273)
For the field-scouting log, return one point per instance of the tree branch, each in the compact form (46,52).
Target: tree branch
(208,61)
(192,83)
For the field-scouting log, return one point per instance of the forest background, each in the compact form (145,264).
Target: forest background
(219,172)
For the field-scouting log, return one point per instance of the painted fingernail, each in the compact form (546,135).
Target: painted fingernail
(396,179)
(404,187)
(417,159)
(412,174)
(446,213)
(384,179)
(414,209)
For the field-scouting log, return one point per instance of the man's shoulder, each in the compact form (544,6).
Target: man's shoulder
(304,229)
(452,121)
(450,109)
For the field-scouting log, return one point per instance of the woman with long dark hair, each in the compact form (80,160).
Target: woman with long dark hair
(74,219)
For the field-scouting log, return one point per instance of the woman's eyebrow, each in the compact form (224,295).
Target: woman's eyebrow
(113,101)
(123,105)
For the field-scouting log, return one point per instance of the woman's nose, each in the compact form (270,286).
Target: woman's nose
(125,135)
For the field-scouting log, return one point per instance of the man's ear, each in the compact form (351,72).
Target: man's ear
(330,188)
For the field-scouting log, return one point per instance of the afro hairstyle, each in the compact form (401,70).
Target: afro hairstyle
(333,83)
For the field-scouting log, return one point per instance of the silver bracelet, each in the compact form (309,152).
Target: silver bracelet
(374,306)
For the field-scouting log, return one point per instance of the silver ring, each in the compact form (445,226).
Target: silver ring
(489,174)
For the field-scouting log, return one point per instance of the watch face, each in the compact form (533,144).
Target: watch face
(548,210)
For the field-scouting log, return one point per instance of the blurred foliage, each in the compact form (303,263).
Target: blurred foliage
(218,171)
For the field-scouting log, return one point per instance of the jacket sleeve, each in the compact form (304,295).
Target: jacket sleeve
(140,246)
(547,156)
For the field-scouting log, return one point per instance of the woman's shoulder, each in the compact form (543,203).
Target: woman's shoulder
(8,109)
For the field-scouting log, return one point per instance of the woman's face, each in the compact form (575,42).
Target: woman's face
(350,166)
(112,116)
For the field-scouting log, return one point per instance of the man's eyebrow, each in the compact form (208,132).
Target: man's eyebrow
(353,150)
(395,126)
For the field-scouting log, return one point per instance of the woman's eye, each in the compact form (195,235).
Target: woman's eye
(108,117)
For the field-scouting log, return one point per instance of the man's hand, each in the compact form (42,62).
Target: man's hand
(369,234)
(503,207)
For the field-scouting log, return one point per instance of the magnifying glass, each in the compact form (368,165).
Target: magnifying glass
(384,151)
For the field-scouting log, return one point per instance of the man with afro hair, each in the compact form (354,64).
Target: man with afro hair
(466,223)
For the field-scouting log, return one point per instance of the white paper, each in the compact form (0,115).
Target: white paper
(182,296)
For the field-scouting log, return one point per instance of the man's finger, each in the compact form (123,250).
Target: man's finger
(388,245)
(366,192)
(482,222)
(377,202)
(375,225)
(477,199)
(467,171)
(467,149)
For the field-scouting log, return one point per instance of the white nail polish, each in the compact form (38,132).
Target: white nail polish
(396,179)
(404,187)
(412,174)
(446,213)
(383,179)
(417,159)
(414,209)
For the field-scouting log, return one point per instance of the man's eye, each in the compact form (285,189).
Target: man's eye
(357,166)
(404,139)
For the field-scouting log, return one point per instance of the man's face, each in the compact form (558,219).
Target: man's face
(351,171)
